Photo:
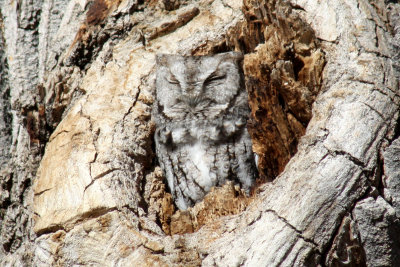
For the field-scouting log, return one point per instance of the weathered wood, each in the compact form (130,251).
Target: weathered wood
(79,183)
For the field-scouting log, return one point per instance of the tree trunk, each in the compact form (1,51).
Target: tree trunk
(79,183)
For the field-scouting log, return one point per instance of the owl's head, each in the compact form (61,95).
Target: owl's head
(196,82)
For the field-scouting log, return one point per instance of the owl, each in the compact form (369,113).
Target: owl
(200,112)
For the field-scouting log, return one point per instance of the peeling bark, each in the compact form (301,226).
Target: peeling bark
(79,183)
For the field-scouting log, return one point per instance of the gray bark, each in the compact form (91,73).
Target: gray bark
(78,180)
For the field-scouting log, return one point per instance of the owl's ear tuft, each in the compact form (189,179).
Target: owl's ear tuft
(237,55)
(233,55)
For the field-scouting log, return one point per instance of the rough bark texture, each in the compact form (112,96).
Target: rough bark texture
(79,183)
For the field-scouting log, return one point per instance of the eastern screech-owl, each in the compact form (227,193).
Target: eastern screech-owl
(200,112)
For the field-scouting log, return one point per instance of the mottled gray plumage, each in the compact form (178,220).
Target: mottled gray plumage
(200,111)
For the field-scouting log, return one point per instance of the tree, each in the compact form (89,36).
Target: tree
(79,181)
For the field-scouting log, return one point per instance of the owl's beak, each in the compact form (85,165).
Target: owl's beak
(193,101)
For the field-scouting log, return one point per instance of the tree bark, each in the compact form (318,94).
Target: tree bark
(79,183)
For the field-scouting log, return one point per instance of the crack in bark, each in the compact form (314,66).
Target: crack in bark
(170,26)
(296,6)
(300,234)
(349,212)
(101,175)
(50,229)
(376,111)
(139,90)
(57,134)
(348,156)
(43,191)
(377,87)
(76,221)
(392,98)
